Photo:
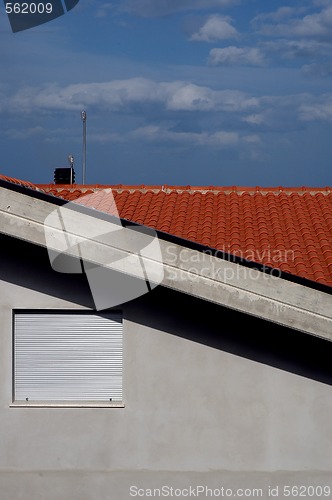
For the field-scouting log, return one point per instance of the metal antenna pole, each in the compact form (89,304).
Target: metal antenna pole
(83,116)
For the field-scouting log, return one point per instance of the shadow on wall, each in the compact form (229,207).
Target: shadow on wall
(179,314)
(28,265)
(235,332)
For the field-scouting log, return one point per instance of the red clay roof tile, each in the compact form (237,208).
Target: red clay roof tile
(18,181)
(286,228)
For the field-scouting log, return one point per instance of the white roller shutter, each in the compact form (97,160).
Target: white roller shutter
(67,357)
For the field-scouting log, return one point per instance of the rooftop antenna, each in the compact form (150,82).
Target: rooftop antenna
(83,116)
(71,161)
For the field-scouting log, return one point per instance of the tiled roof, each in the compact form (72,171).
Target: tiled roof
(284,228)
(17,181)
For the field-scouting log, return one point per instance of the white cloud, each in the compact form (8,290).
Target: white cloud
(320,109)
(246,56)
(279,114)
(318,24)
(215,28)
(156,8)
(124,95)
(222,114)
(292,49)
(254,119)
(114,95)
(156,133)
(278,15)
(321,70)
(219,139)
(190,97)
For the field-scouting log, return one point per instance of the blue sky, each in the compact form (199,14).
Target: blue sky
(177,92)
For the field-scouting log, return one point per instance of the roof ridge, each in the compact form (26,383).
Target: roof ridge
(189,188)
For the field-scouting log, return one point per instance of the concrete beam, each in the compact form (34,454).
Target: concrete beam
(189,271)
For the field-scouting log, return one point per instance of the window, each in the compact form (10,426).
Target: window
(67,358)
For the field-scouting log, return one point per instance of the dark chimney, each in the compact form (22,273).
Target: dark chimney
(64,176)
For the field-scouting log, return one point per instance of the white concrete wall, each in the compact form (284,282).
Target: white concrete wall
(203,404)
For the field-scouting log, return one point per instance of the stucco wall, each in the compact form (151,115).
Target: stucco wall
(212,397)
